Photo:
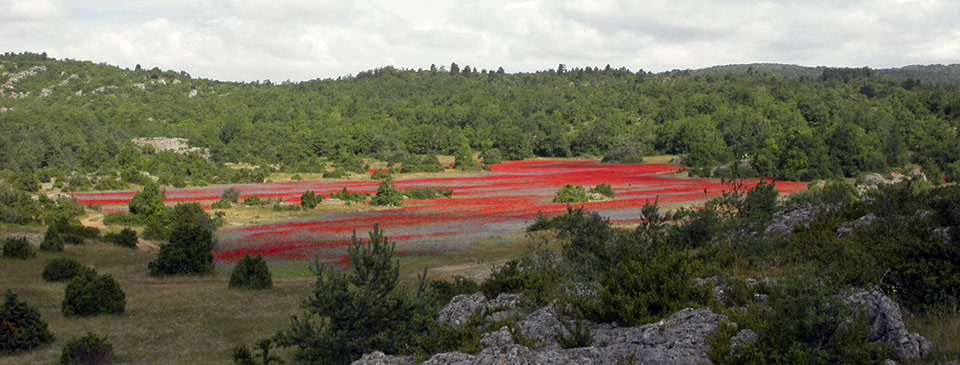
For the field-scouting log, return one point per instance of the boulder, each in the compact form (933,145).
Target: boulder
(886,324)
(458,311)
(785,221)
(379,358)
(847,228)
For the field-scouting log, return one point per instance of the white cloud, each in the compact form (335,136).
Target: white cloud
(298,40)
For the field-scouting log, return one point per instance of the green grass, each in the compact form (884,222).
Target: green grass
(943,329)
(169,320)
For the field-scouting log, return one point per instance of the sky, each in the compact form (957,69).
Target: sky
(247,40)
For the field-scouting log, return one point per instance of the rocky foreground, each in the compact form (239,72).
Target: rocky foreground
(678,339)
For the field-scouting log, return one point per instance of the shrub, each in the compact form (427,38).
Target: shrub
(149,201)
(155,230)
(190,250)
(348,196)
(61,269)
(624,151)
(52,241)
(296,177)
(334,174)
(124,219)
(231,195)
(222,204)
(126,238)
(571,194)
(253,201)
(23,329)
(89,349)
(91,294)
(428,193)
(277,207)
(309,199)
(387,195)
(17,248)
(380,175)
(492,157)
(424,164)
(603,189)
(251,273)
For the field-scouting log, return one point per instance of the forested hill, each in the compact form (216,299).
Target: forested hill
(935,75)
(61,116)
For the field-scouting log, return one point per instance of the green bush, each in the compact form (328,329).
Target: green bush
(126,238)
(90,294)
(424,164)
(222,204)
(624,151)
(571,194)
(89,349)
(251,201)
(17,248)
(231,195)
(148,201)
(309,199)
(124,219)
(428,193)
(387,195)
(334,174)
(251,273)
(61,269)
(492,157)
(347,196)
(380,175)
(603,189)
(190,248)
(23,329)
(52,241)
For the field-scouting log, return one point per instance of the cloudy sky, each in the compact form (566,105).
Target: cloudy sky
(299,40)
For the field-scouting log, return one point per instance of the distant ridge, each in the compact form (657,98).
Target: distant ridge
(936,75)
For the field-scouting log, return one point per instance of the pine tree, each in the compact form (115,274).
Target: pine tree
(21,327)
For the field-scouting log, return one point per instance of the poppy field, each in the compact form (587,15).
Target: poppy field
(486,205)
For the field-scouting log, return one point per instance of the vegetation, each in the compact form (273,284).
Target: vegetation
(350,314)
(23,328)
(190,247)
(90,294)
(571,194)
(814,123)
(89,349)
(126,238)
(61,269)
(347,196)
(428,193)
(387,195)
(309,199)
(148,201)
(17,248)
(604,190)
(380,175)
(251,273)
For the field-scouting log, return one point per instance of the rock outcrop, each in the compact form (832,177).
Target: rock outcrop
(379,358)
(847,228)
(462,307)
(179,146)
(886,324)
(785,221)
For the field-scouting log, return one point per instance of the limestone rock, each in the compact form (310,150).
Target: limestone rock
(847,228)
(379,358)
(799,215)
(458,311)
(886,324)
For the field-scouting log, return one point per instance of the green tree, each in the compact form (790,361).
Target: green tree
(52,241)
(90,294)
(23,329)
(251,273)
(190,249)
(89,349)
(358,312)
(17,248)
(61,269)
(387,195)
(148,201)
(309,199)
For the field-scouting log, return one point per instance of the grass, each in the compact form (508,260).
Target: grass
(942,329)
(168,320)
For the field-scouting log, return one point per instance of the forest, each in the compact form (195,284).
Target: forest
(73,121)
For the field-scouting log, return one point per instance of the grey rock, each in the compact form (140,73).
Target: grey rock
(540,327)
(742,338)
(458,311)
(500,338)
(886,324)
(847,228)
(787,220)
(379,358)
(503,306)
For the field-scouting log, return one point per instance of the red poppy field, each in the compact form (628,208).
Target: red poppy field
(488,205)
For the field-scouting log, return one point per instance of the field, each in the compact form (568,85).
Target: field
(485,208)
(199,320)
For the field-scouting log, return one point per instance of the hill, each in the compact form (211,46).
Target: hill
(935,75)
(65,116)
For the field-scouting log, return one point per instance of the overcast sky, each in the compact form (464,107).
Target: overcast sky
(300,40)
